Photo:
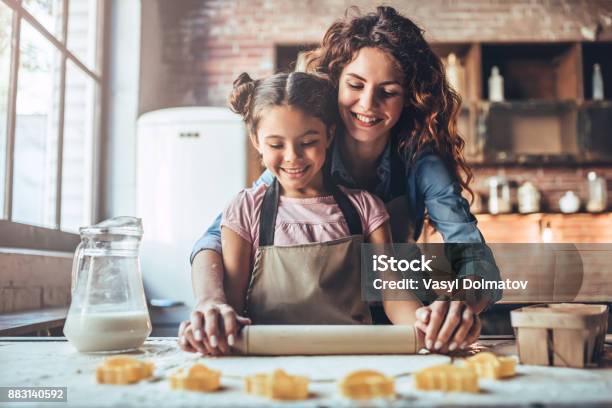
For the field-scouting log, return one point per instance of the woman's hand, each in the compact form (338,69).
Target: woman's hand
(448,325)
(212,329)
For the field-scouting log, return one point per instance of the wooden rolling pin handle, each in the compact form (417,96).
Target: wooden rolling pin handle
(419,339)
(330,339)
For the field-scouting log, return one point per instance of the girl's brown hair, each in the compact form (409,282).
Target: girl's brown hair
(429,118)
(314,95)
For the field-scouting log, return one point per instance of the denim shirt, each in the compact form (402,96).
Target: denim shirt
(428,186)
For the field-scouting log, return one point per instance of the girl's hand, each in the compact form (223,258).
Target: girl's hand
(448,325)
(212,329)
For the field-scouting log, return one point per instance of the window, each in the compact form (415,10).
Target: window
(50,91)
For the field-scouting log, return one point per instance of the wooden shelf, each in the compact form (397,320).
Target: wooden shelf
(529,128)
(544,119)
(469,57)
(566,228)
(527,228)
(594,127)
(597,53)
(549,71)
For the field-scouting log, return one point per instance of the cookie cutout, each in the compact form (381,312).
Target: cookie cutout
(123,370)
(446,377)
(198,378)
(278,385)
(366,384)
(488,365)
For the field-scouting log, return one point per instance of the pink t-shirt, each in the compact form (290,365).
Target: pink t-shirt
(302,220)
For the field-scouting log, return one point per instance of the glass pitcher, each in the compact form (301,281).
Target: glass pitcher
(108,311)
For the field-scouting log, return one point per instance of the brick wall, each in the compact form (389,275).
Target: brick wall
(205,44)
(200,46)
(34,280)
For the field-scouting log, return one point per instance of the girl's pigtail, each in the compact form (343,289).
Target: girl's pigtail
(241,96)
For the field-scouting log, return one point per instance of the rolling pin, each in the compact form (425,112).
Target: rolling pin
(283,340)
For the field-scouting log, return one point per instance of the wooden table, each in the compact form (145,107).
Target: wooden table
(53,362)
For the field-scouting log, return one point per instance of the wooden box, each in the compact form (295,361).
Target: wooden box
(564,334)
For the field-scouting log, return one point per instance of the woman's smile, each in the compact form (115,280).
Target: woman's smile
(371,95)
(366,120)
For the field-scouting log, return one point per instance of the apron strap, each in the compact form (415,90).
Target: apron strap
(269,209)
(348,209)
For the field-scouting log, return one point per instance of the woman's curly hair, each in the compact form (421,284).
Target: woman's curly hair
(429,118)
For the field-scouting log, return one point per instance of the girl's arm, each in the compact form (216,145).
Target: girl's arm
(211,315)
(215,321)
(236,252)
(398,311)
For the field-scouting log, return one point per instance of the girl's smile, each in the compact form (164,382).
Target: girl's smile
(293,146)
(295,173)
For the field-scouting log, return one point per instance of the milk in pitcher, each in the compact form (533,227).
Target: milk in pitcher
(104,331)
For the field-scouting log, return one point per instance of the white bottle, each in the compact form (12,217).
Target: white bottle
(528,198)
(598,86)
(499,195)
(455,74)
(569,203)
(598,194)
(496,85)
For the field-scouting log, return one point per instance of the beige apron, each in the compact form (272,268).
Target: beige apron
(316,283)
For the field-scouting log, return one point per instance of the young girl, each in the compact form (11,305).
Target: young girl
(291,249)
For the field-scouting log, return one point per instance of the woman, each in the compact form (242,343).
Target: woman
(399,141)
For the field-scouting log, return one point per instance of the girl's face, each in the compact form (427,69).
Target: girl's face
(370,95)
(293,144)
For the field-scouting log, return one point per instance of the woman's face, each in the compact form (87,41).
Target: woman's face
(370,95)
(293,146)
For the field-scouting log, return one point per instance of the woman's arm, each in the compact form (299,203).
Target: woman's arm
(449,212)
(398,311)
(452,325)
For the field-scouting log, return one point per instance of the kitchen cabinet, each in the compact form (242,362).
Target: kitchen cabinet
(540,71)
(547,114)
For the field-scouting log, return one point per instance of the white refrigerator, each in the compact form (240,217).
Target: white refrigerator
(190,163)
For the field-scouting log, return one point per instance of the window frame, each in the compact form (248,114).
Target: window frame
(19,235)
